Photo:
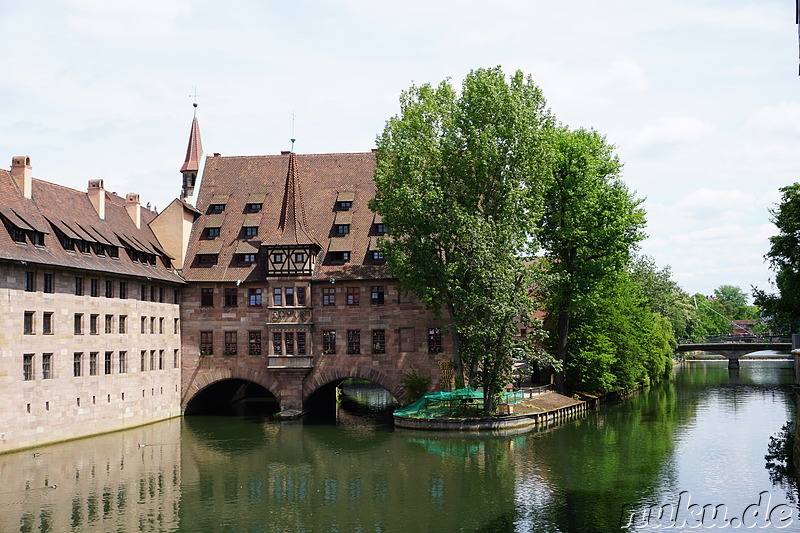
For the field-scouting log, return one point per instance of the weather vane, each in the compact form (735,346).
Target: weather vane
(194,98)
(293,137)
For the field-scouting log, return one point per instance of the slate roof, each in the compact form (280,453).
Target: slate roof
(300,209)
(54,209)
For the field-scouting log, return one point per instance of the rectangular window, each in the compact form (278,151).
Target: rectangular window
(377,256)
(277,297)
(377,295)
(27,367)
(277,343)
(230,343)
(216,208)
(123,290)
(380,228)
(152,359)
(47,323)
(247,258)
(143,328)
(143,361)
(93,363)
(231,298)
(123,362)
(288,340)
(250,231)
(78,286)
(328,296)
(78,323)
(353,341)
(288,293)
(212,233)
(161,359)
(301,296)
(301,343)
(109,324)
(175,296)
(175,358)
(93,287)
(109,288)
(378,341)
(206,342)
(143,292)
(107,363)
(123,323)
(434,340)
(37,238)
(342,229)
(48,283)
(253,208)
(19,235)
(207,259)
(175,324)
(340,257)
(344,205)
(161,325)
(152,293)
(353,295)
(93,324)
(206,297)
(153,325)
(30,281)
(329,341)
(254,342)
(77,364)
(27,324)
(47,366)
(299,258)
(161,294)
(254,297)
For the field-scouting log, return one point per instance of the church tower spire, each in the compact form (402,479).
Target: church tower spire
(191,165)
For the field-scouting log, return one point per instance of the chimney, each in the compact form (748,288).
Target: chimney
(21,174)
(97,195)
(133,209)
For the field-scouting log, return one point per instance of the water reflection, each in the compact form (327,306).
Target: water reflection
(706,432)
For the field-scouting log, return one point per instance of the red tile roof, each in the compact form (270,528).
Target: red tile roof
(54,209)
(195,149)
(317,179)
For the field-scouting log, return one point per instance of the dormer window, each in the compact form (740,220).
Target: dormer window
(207,259)
(19,235)
(380,228)
(216,208)
(343,205)
(277,258)
(299,257)
(247,258)
(253,208)
(250,231)
(340,257)
(377,256)
(342,229)
(85,247)
(212,233)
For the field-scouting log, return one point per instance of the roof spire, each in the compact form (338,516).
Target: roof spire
(194,152)
(292,227)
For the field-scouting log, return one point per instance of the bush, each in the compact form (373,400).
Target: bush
(414,385)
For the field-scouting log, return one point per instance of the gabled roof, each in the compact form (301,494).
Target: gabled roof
(61,210)
(287,218)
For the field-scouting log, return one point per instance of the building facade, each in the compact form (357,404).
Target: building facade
(90,332)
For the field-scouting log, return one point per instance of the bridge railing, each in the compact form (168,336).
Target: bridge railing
(761,339)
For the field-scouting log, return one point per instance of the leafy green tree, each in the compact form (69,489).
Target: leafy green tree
(590,226)
(459,178)
(781,309)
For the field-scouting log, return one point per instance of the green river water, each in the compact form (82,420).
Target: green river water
(697,440)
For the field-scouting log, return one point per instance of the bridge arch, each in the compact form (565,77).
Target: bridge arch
(217,375)
(319,379)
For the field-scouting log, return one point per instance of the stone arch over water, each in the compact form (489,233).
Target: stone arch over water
(319,379)
(217,375)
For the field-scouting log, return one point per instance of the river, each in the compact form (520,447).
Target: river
(696,441)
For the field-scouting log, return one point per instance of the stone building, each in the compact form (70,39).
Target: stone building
(286,284)
(90,322)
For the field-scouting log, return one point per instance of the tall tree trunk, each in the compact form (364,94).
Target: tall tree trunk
(458,366)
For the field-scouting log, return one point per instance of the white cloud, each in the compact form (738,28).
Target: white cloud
(783,117)
(671,130)
(125,19)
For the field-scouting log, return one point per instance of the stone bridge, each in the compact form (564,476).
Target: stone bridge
(733,350)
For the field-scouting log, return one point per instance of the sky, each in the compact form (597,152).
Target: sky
(700,97)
